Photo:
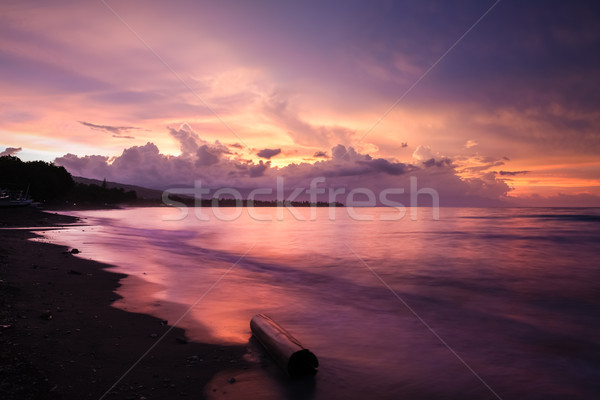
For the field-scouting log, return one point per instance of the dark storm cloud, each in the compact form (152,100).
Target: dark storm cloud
(205,156)
(258,169)
(268,153)
(381,165)
(437,163)
(117,131)
(513,173)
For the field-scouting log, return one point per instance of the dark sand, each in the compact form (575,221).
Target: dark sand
(61,339)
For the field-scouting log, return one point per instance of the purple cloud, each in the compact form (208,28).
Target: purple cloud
(268,153)
(259,169)
(117,131)
(513,173)
(205,156)
(215,168)
(9,151)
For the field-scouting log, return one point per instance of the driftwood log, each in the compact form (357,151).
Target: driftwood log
(285,349)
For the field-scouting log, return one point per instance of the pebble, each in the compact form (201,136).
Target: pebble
(46,315)
(193,360)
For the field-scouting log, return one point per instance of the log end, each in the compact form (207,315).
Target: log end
(285,349)
(302,363)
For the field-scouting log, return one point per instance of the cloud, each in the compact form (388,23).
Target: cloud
(268,153)
(476,164)
(205,156)
(187,138)
(471,143)
(558,200)
(259,169)
(215,167)
(391,168)
(192,146)
(513,173)
(320,154)
(339,152)
(236,145)
(117,131)
(279,108)
(432,162)
(422,153)
(9,151)
(87,166)
(404,144)
(429,158)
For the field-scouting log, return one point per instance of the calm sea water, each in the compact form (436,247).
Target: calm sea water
(482,303)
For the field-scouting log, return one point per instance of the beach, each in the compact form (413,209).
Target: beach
(61,339)
(482,303)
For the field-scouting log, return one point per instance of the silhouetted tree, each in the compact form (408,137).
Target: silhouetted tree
(46,181)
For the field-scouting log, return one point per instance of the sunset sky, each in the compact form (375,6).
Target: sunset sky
(482,100)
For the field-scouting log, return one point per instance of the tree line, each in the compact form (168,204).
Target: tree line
(48,183)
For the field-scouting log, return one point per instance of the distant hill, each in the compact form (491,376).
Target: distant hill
(142,192)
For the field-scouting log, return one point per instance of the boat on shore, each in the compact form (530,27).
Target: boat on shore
(11,199)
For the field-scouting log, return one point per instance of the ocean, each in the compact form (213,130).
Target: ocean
(480,303)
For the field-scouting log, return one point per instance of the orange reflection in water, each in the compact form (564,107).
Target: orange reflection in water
(226,269)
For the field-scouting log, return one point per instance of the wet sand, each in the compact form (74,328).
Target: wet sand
(61,339)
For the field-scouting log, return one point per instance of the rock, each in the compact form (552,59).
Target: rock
(72,251)
(231,380)
(181,340)
(47,315)
(164,322)
(192,360)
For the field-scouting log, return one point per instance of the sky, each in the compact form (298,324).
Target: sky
(486,102)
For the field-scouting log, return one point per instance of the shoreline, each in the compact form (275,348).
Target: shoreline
(62,339)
